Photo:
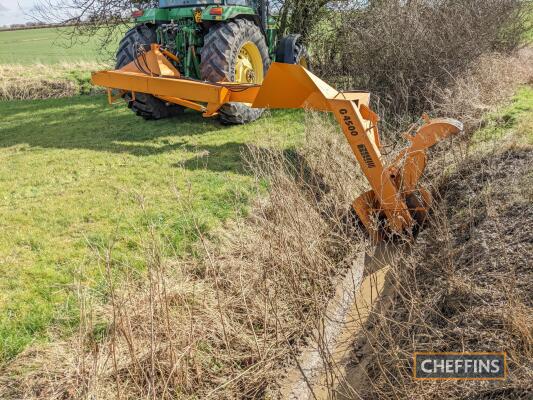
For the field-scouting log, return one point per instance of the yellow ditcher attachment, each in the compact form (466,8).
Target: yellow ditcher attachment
(396,203)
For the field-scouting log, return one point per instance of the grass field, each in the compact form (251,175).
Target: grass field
(50,46)
(515,118)
(77,175)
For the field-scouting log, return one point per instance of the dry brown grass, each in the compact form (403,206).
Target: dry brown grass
(492,80)
(224,325)
(465,286)
(29,82)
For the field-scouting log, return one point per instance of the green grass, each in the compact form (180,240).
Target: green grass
(50,46)
(516,118)
(77,175)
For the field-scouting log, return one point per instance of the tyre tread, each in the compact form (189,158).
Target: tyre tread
(144,105)
(221,45)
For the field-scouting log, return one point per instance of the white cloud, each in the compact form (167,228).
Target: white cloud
(15,11)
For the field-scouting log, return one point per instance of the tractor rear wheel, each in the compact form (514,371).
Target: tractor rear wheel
(144,105)
(235,51)
(291,50)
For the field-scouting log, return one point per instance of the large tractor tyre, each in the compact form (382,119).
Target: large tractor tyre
(235,51)
(144,105)
(291,50)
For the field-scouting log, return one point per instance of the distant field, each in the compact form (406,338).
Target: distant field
(77,175)
(50,46)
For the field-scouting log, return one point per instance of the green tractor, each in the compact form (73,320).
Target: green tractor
(213,40)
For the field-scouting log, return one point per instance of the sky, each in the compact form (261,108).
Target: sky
(12,11)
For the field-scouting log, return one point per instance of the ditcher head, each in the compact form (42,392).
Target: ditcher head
(405,173)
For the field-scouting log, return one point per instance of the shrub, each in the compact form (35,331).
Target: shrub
(406,51)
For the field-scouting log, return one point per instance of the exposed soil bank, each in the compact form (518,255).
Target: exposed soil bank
(466,287)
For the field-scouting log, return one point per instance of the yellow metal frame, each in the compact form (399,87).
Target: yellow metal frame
(292,86)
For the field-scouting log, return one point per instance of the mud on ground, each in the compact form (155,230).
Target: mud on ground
(466,286)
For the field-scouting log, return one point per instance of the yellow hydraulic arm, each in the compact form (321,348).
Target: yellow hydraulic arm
(395,203)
